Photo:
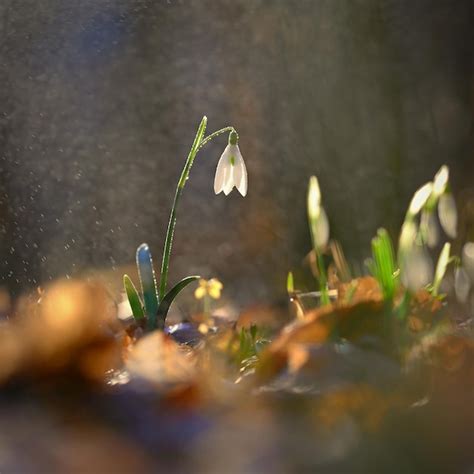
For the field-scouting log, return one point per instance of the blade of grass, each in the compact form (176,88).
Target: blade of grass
(148,284)
(133,298)
(165,303)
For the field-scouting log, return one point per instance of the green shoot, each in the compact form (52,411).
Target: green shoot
(251,342)
(156,299)
(133,298)
(383,265)
(165,303)
(290,284)
(319,230)
(148,284)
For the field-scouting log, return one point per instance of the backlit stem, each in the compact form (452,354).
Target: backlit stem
(198,143)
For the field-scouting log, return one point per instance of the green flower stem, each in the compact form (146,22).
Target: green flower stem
(214,135)
(207,307)
(323,281)
(198,143)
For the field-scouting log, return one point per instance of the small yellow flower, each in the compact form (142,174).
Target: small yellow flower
(212,288)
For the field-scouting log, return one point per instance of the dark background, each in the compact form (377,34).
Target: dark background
(100,99)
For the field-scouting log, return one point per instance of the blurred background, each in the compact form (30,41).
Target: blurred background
(100,100)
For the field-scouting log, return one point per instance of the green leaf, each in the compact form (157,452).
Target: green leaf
(148,283)
(169,297)
(290,284)
(133,298)
(200,133)
(383,265)
(253,332)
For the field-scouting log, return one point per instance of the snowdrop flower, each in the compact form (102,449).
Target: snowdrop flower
(448,215)
(317,216)
(231,170)
(417,268)
(429,226)
(407,237)
(462,284)
(468,259)
(314,198)
(415,263)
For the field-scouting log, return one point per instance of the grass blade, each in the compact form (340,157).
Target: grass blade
(169,297)
(133,298)
(148,283)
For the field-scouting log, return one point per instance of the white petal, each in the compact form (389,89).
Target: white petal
(440,180)
(229,179)
(240,173)
(407,237)
(468,259)
(429,227)
(442,264)
(221,172)
(321,229)
(448,215)
(419,198)
(417,268)
(314,198)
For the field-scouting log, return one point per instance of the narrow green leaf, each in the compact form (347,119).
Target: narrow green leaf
(169,297)
(133,298)
(148,283)
(253,332)
(290,285)
(382,265)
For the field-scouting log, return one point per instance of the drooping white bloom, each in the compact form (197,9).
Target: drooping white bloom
(462,284)
(448,215)
(321,229)
(318,219)
(314,198)
(416,268)
(407,237)
(468,259)
(429,227)
(231,170)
